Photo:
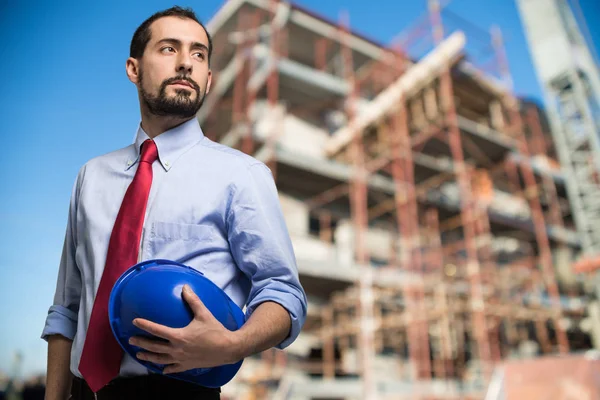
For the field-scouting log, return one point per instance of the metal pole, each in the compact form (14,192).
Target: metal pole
(467,207)
(532,195)
(359,206)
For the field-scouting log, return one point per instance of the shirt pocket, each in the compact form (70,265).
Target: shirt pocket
(181,242)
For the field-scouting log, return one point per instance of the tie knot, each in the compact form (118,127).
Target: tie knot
(149,152)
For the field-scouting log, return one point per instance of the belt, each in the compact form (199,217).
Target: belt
(151,386)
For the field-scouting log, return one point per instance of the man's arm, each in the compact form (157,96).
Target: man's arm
(58,376)
(267,327)
(61,323)
(262,248)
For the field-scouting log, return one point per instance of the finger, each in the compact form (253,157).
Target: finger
(151,345)
(174,368)
(194,301)
(155,329)
(155,358)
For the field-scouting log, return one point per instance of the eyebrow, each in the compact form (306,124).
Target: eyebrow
(195,45)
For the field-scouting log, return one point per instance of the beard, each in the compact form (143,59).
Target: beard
(180,105)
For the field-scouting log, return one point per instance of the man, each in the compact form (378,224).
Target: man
(173,194)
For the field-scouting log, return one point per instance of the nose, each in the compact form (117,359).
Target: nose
(184,64)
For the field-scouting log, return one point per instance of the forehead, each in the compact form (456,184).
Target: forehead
(184,29)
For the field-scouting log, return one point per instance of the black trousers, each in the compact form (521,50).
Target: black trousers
(146,387)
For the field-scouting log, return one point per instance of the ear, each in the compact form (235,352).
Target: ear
(132,68)
(208,82)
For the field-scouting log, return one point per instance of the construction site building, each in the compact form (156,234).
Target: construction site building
(428,212)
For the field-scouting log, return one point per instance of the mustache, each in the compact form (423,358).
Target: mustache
(181,78)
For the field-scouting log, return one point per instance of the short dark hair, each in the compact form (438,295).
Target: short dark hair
(141,37)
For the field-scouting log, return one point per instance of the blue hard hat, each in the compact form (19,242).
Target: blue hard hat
(153,290)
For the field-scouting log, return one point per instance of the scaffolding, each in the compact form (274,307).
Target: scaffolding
(432,147)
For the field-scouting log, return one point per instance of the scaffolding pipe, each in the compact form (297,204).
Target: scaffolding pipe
(532,195)
(358,201)
(480,330)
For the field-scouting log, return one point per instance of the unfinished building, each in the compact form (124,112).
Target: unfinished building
(427,209)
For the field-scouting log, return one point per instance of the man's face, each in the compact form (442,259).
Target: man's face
(173,73)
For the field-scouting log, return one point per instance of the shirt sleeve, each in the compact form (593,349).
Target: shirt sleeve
(262,248)
(62,315)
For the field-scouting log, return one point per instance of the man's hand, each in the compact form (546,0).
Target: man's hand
(204,343)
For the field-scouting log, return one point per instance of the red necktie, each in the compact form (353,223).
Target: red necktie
(101,357)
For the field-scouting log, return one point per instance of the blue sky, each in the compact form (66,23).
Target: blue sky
(65,99)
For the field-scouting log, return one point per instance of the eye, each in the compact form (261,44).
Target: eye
(167,49)
(199,55)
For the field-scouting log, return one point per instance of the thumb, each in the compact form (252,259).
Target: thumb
(197,306)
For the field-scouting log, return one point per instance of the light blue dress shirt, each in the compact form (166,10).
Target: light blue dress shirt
(210,207)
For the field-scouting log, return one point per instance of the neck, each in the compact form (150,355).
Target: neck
(154,125)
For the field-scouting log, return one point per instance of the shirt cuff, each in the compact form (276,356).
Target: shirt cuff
(291,303)
(60,321)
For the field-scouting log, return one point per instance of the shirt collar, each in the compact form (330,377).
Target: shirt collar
(171,144)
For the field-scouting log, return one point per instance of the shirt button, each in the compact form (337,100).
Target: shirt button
(129,163)
(166,164)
